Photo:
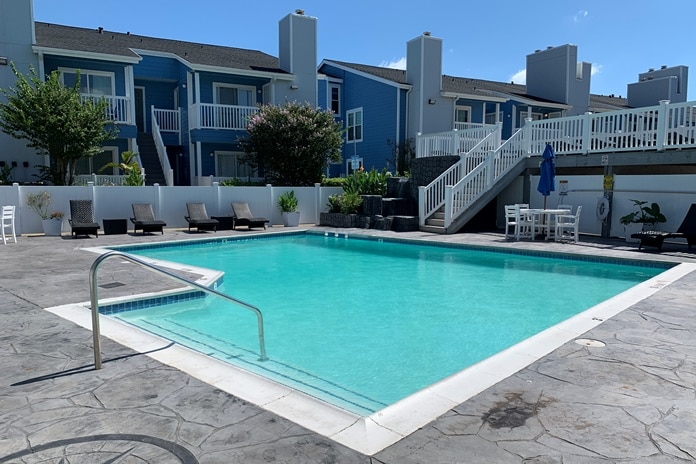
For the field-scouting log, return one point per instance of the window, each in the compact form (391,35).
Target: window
(92,164)
(490,117)
(335,98)
(91,82)
(226,94)
(354,125)
(462,114)
(230,164)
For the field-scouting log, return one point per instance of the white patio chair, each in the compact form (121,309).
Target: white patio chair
(552,220)
(567,226)
(520,224)
(8,222)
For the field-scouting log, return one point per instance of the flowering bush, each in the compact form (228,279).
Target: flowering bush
(292,143)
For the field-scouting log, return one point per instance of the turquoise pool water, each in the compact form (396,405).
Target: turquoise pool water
(364,323)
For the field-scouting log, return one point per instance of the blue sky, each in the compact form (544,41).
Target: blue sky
(485,40)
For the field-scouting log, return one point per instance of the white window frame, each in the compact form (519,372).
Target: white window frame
(350,113)
(253,174)
(247,88)
(330,99)
(86,73)
(458,108)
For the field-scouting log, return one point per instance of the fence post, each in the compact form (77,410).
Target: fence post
(317,203)
(269,196)
(662,117)
(586,133)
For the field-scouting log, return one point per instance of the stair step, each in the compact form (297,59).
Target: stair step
(438,215)
(435,222)
(432,229)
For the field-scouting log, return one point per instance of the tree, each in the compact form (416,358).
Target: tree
(56,121)
(292,143)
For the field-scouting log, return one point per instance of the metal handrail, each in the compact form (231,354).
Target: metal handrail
(93,294)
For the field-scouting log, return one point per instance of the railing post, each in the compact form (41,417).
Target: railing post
(527,135)
(449,194)
(419,145)
(662,118)
(421,205)
(490,177)
(586,133)
(455,142)
(499,136)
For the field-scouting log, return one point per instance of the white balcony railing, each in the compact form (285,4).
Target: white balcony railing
(160,147)
(227,117)
(167,120)
(118,109)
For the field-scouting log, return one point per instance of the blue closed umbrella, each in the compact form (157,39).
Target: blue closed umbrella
(547,173)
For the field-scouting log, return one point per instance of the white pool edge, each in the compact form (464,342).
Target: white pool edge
(368,434)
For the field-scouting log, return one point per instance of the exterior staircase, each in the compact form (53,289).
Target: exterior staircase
(150,160)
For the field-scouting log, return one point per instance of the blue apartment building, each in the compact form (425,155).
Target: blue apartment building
(183,105)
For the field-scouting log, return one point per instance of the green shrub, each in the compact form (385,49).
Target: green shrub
(372,182)
(332,181)
(348,203)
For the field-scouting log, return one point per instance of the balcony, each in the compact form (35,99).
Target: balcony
(118,108)
(223,117)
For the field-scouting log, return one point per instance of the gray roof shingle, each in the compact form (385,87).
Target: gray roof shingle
(124,44)
(470,86)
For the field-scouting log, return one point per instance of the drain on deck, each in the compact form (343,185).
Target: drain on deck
(112,285)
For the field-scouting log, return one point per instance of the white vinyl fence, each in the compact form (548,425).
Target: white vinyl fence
(169,203)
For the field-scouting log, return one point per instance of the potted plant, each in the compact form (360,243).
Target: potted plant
(52,222)
(644,214)
(287,202)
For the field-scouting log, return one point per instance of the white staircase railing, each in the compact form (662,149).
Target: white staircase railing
(454,142)
(665,126)
(168,120)
(480,179)
(161,150)
(432,196)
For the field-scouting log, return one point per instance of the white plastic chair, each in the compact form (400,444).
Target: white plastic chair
(552,219)
(520,224)
(8,222)
(567,226)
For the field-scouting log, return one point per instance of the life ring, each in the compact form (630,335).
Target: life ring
(602,208)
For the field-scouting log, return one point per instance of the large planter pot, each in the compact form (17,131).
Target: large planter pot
(291,219)
(632,228)
(52,227)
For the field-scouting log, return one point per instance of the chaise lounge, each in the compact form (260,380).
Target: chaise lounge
(656,238)
(198,218)
(82,218)
(243,217)
(144,219)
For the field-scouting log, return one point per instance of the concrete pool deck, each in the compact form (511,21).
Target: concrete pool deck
(631,400)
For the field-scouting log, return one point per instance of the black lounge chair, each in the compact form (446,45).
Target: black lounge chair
(243,217)
(144,219)
(655,238)
(198,218)
(82,218)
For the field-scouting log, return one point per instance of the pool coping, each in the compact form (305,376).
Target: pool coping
(369,434)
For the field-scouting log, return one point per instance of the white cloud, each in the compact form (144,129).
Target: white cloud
(580,15)
(596,69)
(520,77)
(399,63)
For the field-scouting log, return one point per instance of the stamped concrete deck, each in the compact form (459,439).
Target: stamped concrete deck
(631,400)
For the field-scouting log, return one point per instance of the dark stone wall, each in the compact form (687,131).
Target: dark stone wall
(425,170)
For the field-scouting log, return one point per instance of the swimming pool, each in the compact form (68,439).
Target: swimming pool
(362,323)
